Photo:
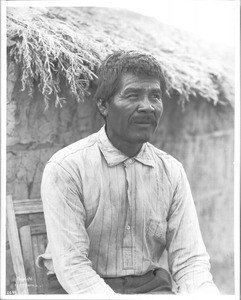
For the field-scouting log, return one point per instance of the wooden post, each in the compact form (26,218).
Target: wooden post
(28,258)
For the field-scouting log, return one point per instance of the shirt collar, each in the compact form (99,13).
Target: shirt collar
(113,156)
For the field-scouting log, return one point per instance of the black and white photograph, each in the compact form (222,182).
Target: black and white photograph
(120,149)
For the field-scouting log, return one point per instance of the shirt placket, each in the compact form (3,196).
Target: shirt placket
(128,239)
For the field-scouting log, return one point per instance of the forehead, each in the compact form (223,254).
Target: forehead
(128,80)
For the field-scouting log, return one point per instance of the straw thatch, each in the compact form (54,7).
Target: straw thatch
(57,45)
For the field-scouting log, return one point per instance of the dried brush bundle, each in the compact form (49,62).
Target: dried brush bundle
(49,51)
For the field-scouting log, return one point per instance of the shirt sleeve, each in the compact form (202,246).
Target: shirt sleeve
(187,256)
(68,240)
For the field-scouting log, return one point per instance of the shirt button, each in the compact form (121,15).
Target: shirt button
(128,227)
(128,162)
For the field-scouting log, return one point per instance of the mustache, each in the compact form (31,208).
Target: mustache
(143,119)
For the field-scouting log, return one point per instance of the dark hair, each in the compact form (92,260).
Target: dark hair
(121,62)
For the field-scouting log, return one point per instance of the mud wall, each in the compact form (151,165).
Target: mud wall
(201,137)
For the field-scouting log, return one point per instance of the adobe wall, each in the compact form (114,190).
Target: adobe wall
(34,134)
(201,137)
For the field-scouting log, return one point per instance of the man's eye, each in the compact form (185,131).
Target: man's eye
(132,96)
(156,97)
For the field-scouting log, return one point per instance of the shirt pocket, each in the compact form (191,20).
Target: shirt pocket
(156,230)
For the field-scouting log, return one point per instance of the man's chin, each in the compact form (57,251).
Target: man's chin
(141,139)
(141,135)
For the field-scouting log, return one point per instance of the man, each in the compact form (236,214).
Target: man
(113,202)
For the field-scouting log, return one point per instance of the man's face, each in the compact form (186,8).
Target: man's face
(133,114)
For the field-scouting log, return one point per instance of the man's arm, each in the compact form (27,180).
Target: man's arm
(187,256)
(69,242)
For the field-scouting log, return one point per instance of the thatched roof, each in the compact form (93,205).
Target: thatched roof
(52,44)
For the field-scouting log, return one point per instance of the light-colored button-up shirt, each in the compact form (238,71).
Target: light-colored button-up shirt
(108,215)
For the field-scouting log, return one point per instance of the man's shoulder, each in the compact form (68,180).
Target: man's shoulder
(168,165)
(167,162)
(75,149)
(164,157)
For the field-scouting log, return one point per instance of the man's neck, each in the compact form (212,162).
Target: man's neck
(128,149)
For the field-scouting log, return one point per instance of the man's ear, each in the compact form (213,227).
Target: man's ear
(101,104)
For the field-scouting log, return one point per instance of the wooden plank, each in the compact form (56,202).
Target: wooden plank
(28,258)
(42,244)
(38,229)
(16,253)
(28,206)
(38,271)
(37,218)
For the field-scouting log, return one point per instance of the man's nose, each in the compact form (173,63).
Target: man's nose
(145,105)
